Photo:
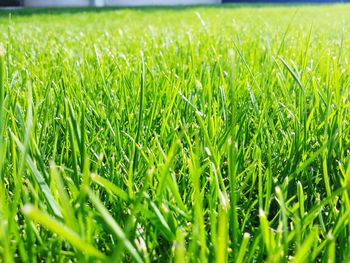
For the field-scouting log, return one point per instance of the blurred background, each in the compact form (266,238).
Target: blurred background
(100,3)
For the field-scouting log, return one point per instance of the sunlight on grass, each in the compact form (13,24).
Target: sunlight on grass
(211,134)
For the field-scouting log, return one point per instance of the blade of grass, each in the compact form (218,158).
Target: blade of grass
(61,230)
(117,230)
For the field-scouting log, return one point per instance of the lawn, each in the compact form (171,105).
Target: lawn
(200,134)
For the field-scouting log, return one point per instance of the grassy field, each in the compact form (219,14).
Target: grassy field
(201,134)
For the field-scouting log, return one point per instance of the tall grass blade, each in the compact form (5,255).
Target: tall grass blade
(61,230)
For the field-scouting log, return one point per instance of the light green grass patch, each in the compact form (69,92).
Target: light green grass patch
(189,134)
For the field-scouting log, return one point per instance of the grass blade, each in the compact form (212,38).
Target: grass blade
(61,230)
(117,230)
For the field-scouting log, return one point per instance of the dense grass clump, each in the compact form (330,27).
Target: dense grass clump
(191,134)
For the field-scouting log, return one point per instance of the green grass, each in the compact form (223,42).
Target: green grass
(195,134)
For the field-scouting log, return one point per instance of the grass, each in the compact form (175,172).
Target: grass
(195,134)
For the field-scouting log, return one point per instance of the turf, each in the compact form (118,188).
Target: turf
(196,134)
